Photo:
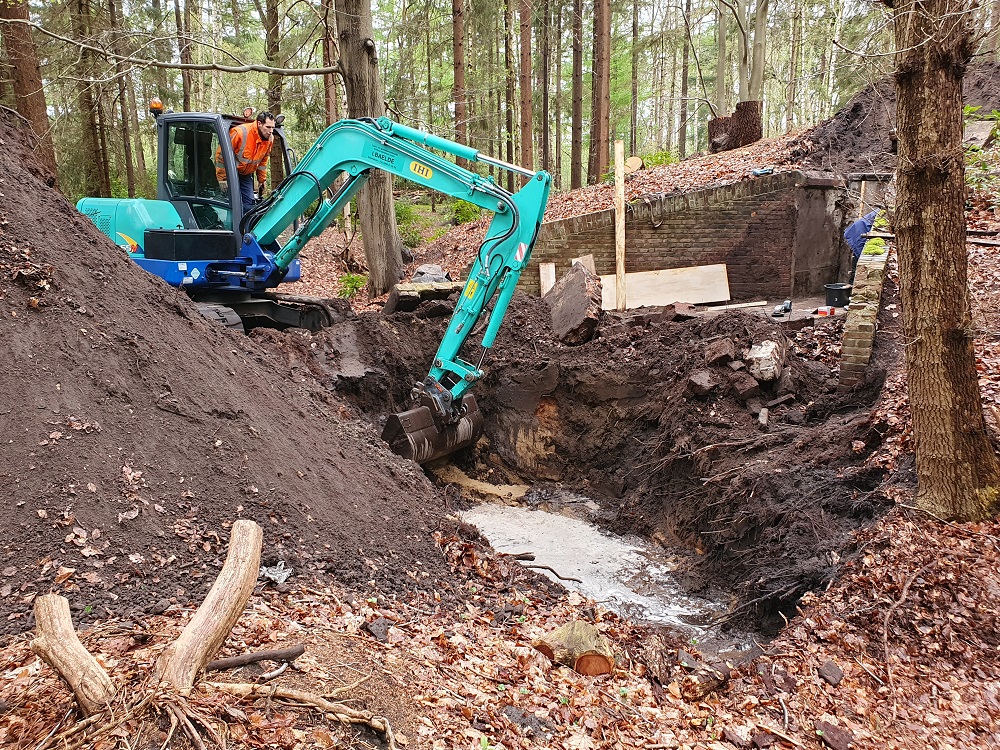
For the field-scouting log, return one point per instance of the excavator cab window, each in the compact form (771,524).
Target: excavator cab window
(191,174)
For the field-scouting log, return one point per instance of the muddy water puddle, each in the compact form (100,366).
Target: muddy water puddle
(639,580)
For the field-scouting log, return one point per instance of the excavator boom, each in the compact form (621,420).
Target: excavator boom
(445,416)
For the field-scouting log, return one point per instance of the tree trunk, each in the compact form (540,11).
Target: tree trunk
(527,159)
(793,65)
(580,646)
(720,63)
(182,660)
(508,22)
(275,82)
(544,79)
(759,40)
(458,90)
(140,156)
(27,80)
(184,50)
(430,83)
(601,92)
(234,6)
(557,175)
(58,644)
(122,102)
(685,72)
(633,128)
(359,62)
(95,171)
(331,99)
(576,125)
(958,474)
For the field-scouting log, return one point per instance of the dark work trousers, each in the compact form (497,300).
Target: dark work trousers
(246,192)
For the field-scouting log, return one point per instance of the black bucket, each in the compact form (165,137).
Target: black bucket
(838,295)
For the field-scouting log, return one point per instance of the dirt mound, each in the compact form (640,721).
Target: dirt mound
(859,137)
(135,432)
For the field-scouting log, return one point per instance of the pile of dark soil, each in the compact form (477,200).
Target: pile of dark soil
(773,507)
(135,432)
(858,139)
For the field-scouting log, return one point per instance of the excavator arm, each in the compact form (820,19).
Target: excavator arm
(445,416)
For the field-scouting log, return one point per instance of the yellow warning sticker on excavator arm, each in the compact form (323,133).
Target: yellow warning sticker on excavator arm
(421,170)
(470,289)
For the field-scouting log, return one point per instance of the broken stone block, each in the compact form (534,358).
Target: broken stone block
(720,351)
(737,365)
(429,272)
(575,305)
(765,360)
(702,382)
(831,673)
(755,405)
(745,386)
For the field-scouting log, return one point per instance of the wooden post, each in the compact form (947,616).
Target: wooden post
(861,207)
(181,661)
(58,645)
(620,225)
(546,277)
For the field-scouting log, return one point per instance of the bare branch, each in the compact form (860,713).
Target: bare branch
(250,68)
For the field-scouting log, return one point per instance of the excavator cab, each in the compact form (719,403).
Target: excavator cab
(191,145)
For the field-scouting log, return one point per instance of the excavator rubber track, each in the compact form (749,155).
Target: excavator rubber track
(415,434)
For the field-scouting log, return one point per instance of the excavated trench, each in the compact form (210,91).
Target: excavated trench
(763,512)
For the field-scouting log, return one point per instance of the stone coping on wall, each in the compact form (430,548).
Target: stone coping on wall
(862,313)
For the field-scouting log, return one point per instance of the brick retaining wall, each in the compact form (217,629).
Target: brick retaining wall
(859,328)
(779,235)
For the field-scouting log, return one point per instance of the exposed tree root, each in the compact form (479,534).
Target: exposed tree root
(339,711)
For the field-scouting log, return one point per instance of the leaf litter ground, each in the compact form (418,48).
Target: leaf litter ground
(136,433)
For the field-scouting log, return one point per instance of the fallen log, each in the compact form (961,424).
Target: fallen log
(275,654)
(580,646)
(701,678)
(58,644)
(183,659)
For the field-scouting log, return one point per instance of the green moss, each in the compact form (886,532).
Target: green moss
(875,246)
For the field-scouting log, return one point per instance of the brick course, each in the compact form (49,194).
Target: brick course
(779,235)
(859,328)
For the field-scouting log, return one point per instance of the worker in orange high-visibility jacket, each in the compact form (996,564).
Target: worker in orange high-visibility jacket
(252,143)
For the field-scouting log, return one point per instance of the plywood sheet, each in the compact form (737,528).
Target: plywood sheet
(546,277)
(695,285)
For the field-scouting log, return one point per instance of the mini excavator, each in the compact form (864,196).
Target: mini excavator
(195,236)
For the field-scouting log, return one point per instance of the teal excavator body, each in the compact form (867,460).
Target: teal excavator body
(196,237)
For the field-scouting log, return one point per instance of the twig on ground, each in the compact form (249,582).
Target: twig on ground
(268,676)
(885,634)
(560,577)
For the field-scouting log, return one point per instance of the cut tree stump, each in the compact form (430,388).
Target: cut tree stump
(183,659)
(58,644)
(743,127)
(580,646)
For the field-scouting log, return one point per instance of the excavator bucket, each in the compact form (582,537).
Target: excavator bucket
(414,433)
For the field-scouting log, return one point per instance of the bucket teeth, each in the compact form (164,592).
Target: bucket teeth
(414,433)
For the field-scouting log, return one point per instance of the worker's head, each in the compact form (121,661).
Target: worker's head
(265,125)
